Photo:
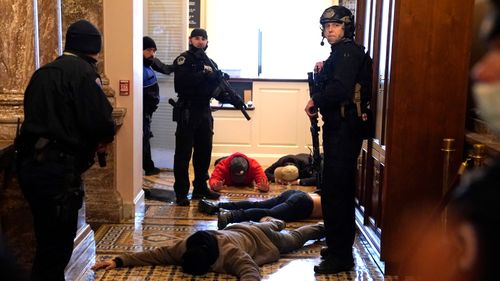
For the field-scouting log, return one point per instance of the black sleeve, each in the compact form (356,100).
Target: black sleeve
(270,173)
(341,71)
(159,66)
(308,181)
(270,170)
(93,111)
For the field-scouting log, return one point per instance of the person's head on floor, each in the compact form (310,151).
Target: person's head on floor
(287,173)
(148,47)
(201,252)
(82,37)
(238,169)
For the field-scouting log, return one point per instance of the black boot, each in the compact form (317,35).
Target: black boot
(208,207)
(206,193)
(201,191)
(333,266)
(226,217)
(182,202)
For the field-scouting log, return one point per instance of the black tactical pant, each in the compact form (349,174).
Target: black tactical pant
(147,134)
(341,144)
(52,188)
(193,136)
(290,205)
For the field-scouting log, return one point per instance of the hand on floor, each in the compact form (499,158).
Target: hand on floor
(218,186)
(263,186)
(106,264)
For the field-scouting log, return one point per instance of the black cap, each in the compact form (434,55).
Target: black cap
(202,251)
(199,32)
(239,168)
(82,36)
(148,42)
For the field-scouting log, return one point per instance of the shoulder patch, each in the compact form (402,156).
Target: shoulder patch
(181,60)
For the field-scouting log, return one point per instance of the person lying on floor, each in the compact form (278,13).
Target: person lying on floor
(290,205)
(239,249)
(290,164)
(238,170)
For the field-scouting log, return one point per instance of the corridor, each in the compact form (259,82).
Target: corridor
(161,223)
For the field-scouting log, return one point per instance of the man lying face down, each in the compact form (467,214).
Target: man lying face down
(238,170)
(239,249)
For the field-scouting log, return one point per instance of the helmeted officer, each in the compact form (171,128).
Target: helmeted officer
(341,137)
(194,83)
(67,118)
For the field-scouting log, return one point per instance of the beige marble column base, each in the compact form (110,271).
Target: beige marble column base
(102,201)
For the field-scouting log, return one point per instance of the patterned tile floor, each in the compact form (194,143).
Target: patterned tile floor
(162,223)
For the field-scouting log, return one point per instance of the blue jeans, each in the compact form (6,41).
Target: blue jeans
(290,205)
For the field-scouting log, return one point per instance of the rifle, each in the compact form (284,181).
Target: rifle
(316,159)
(224,92)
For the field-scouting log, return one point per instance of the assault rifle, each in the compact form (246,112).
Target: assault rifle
(224,92)
(314,87)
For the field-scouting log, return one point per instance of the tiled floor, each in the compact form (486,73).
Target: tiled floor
(162,223)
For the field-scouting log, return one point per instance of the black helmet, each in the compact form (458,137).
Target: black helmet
(339,14)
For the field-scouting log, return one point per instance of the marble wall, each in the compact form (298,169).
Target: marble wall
(21,24)
(16,59)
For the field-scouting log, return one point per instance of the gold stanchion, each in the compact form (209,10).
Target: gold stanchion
(448,149)
(478,155)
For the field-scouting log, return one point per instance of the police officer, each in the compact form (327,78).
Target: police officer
(194,83)
(341,137)
(150,99)
(67,118)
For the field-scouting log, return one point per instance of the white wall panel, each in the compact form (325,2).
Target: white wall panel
(279,125)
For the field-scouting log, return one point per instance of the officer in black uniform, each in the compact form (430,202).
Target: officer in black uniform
(195,81)
(150,99)
(341,137)
(67,119)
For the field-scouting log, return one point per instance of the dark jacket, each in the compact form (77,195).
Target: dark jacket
(302,161)
(64,102)
(243,247)
(151,90)
(339,73)
(191,83)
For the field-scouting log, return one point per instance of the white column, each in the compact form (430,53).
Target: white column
(123,29)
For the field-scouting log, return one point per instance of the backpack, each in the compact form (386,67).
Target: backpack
(363,97)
